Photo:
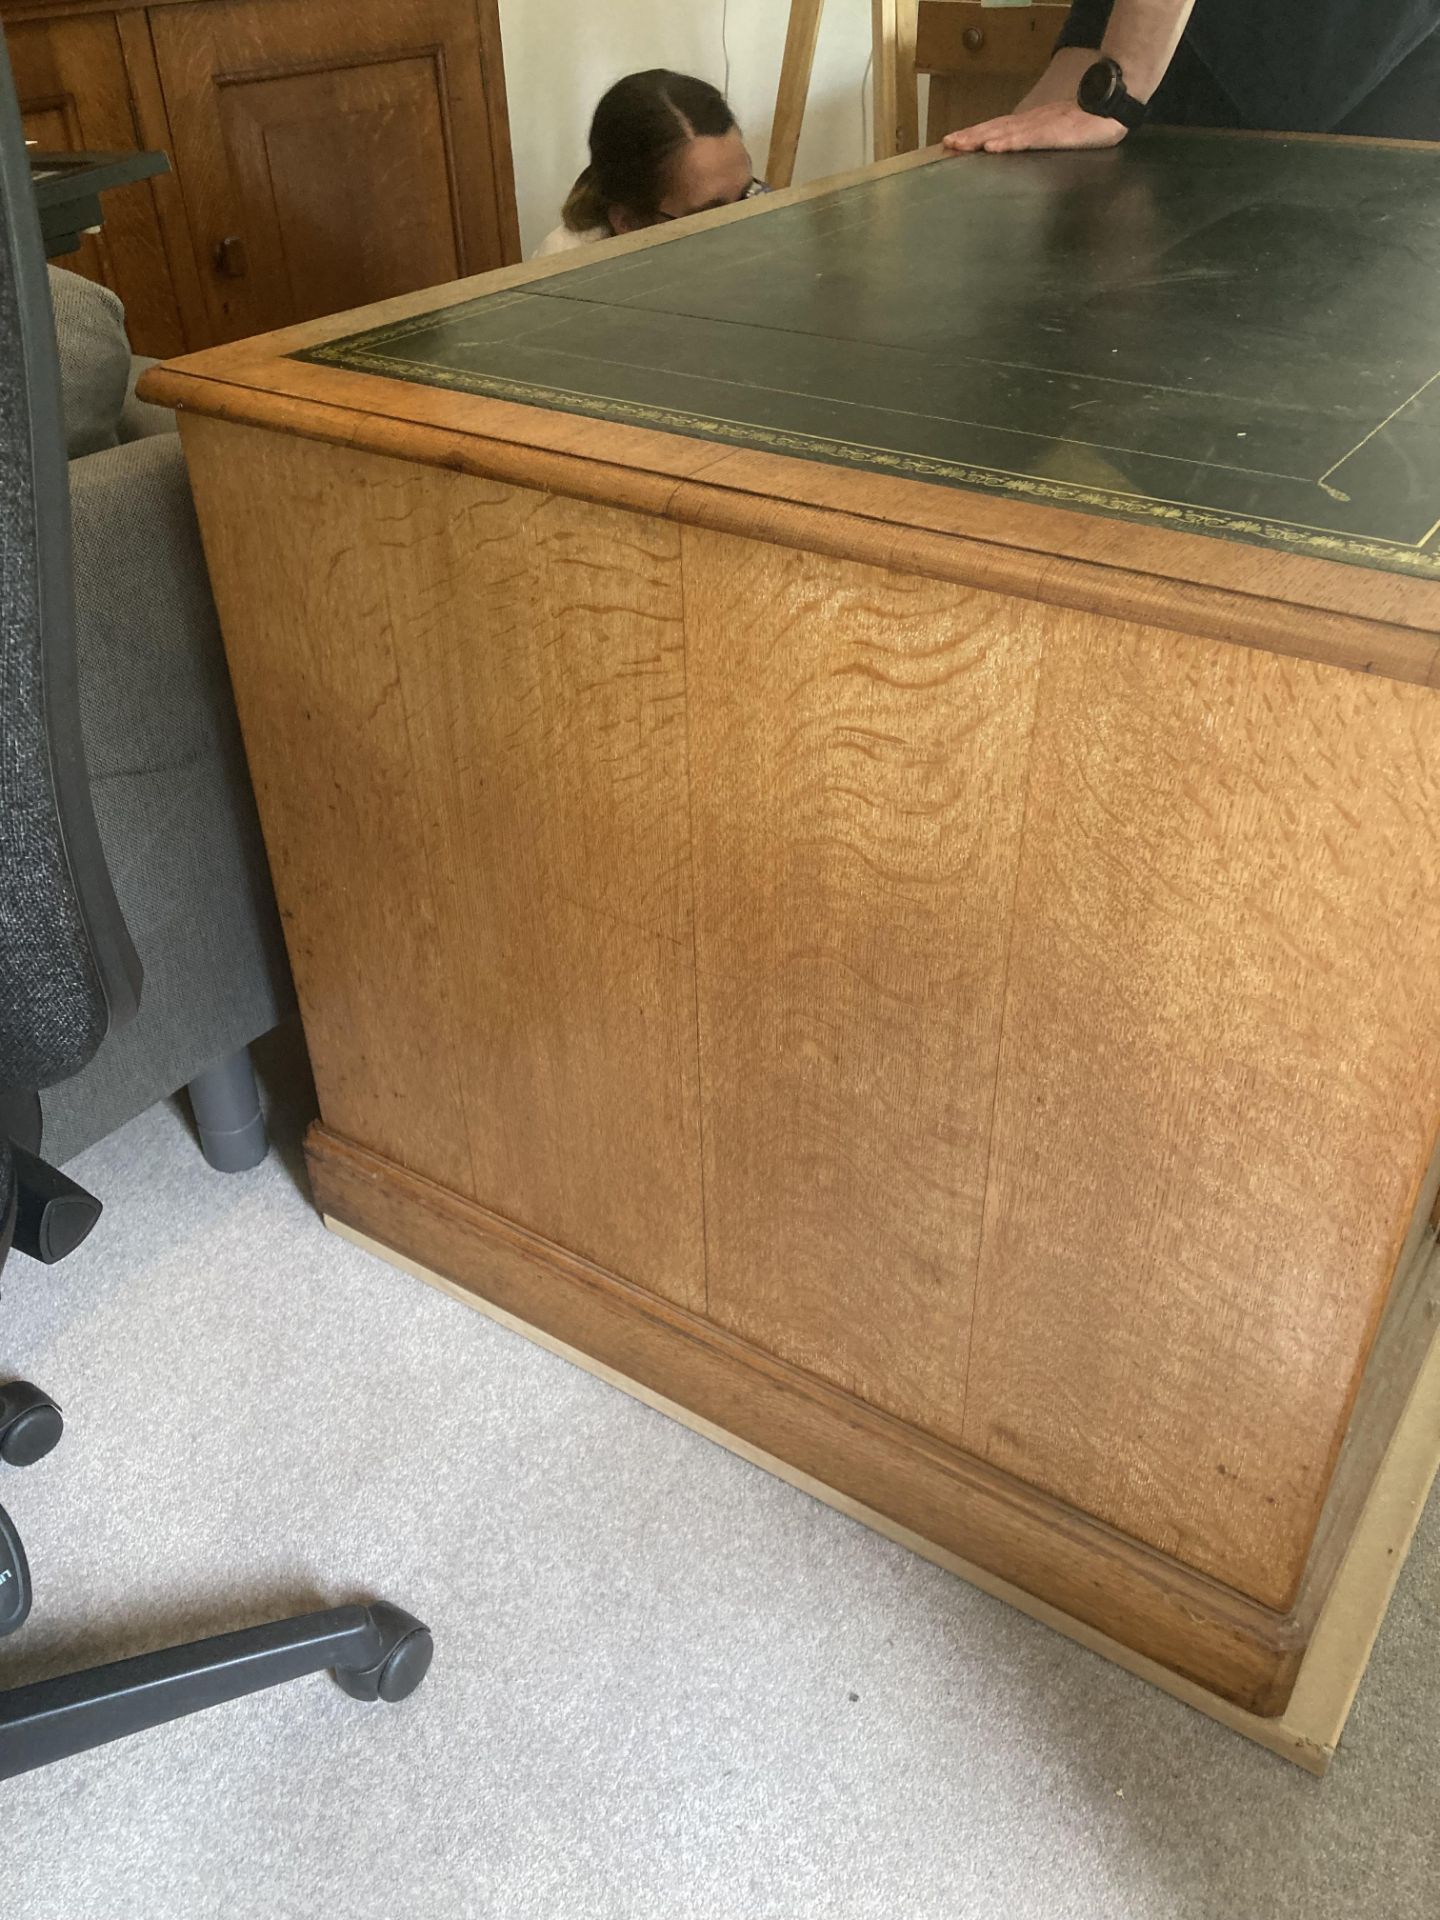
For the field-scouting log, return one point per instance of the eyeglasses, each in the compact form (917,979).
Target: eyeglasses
(752,192)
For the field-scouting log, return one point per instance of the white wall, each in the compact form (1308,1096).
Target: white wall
(561,55)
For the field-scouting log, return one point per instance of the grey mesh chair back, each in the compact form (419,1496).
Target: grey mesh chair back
(67,967)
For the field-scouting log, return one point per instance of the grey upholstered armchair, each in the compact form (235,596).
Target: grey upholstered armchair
(167,773)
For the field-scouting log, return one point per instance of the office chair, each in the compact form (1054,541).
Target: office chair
(67,973)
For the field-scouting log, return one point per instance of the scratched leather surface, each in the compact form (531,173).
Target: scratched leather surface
(1231,335)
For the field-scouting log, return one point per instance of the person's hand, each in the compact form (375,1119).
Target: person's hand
(1055,124)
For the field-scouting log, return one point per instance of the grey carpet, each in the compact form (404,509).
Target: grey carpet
(665,1684)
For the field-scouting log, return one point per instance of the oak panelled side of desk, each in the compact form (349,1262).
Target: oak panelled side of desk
(949,1008)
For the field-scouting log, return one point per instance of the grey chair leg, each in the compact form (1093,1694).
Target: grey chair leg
(226,1105)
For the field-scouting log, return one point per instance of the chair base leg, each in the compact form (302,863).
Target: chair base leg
(377,1653)
(226,1105)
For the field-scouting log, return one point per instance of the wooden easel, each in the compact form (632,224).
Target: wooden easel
(897,111)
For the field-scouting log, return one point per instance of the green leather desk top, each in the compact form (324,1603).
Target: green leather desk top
(1232,336)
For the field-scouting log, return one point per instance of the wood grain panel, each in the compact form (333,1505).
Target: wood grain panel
(501,221)
(859,743)
(50,127)
(353,162)
(965,99)
(348,152)
(543,669)
(468,737)
(963,36)
(889,523)
(58,9)
(982,61)
(74,92)
(897,105)
(1398,1353)
(312,642)
(797,64)
(152,130)
(1218,1087)
(1189,1624)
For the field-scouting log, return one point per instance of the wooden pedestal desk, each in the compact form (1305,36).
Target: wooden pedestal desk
(855,793)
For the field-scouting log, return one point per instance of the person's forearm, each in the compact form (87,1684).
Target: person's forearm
(1061,78)
(1142,37)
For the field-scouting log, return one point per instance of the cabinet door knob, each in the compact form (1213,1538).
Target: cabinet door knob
(230,257)
(973,39)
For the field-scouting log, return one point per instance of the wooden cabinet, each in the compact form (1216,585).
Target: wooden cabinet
(76,94)
(332,153)
(981,60)
(323,154)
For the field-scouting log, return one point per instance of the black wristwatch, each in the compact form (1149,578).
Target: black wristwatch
(1103,92)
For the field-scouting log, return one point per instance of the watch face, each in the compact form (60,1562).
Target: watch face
(1100,85)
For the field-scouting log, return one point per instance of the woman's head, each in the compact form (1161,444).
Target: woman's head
(662,145)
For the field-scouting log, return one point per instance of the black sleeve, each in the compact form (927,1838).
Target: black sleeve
(1086,25)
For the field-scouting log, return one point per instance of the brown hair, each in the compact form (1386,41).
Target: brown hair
(639,127)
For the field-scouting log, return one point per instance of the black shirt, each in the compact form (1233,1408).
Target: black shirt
(1290,65)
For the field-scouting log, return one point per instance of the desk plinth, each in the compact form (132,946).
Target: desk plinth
(937,982)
